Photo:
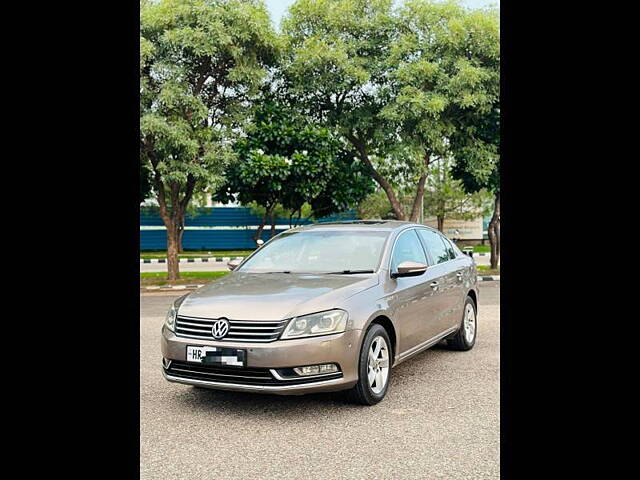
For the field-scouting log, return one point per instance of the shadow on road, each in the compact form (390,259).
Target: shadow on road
(301,406)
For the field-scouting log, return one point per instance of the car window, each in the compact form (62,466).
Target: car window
(319,251)
(449,246)
(435,245)
(407,249)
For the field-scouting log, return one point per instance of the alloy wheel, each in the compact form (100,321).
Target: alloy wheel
(469,323)
(378,364)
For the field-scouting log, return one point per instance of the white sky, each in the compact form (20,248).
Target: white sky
(277,8)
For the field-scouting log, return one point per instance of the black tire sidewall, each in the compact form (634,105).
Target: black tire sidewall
(373,331)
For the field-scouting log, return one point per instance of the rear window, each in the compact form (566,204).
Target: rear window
(436,246)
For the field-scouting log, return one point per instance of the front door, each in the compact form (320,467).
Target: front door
(415,303)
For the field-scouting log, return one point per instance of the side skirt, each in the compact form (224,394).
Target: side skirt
(423,346)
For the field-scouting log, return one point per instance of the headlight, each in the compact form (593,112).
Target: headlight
(170,321)
(323,323)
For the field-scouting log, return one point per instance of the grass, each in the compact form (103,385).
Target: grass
(148,255)
(148,279)
(486,270)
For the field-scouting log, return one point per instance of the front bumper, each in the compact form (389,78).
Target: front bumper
(342,348)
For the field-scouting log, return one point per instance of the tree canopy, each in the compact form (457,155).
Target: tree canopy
(287,160)
(201,62)
(397,84)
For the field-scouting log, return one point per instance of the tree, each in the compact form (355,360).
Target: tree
(201,62)
(145,181)
(446,197)
(288,161)
(478,166)
(395,85)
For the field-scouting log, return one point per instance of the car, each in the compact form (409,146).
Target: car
(324,307)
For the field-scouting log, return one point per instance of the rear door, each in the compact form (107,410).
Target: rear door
(457,277)
(444,271)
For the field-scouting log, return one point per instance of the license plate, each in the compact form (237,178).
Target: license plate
(227,357)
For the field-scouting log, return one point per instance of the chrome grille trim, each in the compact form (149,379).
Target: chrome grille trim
(239,330)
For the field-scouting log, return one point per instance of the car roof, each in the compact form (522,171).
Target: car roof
(370,225)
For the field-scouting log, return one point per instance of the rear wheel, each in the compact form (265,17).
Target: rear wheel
(374,367)
(465,337)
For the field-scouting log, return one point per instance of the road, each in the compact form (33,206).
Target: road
(440,418)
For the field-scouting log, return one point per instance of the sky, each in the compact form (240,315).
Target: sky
(277,8)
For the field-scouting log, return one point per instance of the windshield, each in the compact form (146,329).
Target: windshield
(319,251)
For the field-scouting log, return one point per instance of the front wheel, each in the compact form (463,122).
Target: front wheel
(374,367)
(465,337)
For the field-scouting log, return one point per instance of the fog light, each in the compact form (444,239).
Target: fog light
(166,363)
(316,369)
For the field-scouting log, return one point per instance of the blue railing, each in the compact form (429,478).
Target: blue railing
(216,228)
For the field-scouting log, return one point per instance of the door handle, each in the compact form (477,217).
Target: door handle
(459,275)
(434,285)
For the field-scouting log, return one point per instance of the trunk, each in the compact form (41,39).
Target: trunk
(258,234)
(173,220)
(181,234)
(273,225)
(396,206)
(417,201)
(440,223)
(494,234)
(173,240)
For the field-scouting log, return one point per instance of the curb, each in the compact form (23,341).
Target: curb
(193,260)
(488,278)
(171,288)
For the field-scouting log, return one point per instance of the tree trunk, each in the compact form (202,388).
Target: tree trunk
(273,225)
(181,234)
(396,206)
(174,220)
(417,201)
(441,223)
(258,234)
(494,234)
(173,240)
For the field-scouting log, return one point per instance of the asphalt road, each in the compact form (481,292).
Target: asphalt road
(440,418)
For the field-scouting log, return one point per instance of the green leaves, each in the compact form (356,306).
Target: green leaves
(201,62)
(398,84)
(288,160)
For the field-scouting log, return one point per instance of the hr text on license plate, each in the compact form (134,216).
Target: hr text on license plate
(228,357)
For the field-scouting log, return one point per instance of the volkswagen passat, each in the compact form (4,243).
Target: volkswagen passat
(332,306)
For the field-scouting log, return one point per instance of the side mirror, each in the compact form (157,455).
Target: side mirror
(409,269)
(260,242)
(232,264)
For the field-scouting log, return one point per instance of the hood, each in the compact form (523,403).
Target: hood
(272,296)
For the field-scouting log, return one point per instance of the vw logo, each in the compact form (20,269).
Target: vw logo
(220,329)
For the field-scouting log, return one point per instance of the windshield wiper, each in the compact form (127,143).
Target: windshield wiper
(349,272)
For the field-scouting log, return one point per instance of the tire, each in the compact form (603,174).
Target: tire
(463,339)
(363,392)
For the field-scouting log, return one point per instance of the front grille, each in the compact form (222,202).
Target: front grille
(211,373)
(240,376)
(239,330)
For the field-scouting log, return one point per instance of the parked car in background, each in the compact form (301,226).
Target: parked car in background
(326,307)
